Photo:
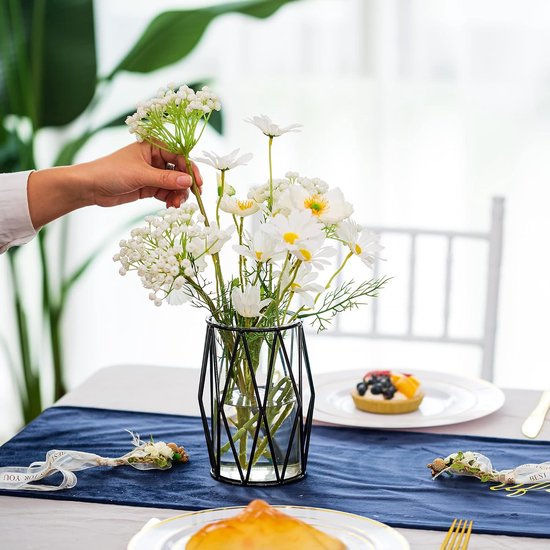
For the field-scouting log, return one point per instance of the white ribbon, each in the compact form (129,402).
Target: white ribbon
(64,462)
(17,478)
(527,473)
(475,464)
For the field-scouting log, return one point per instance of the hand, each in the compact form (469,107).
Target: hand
(139,171)
(131,173)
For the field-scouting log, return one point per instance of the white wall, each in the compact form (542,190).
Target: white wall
(420,111)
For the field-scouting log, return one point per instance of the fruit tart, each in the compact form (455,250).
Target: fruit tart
(262,527)
(387,392)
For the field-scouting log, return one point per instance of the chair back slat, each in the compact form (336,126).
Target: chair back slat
(487,341)
(448,286)
(412,284)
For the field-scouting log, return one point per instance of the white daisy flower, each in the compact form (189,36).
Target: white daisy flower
(247,302)
(361,242)
(317,258)
(238,207)
(215,238)
(298,230)
(330,207)
(225,162)
(177,297)
(269,128)
(262,247)
(303,284)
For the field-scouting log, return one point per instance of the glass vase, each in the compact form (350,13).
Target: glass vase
(256,398)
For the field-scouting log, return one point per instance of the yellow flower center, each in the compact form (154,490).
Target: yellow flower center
(259,255)
(294,286)
(306,254)
(317,204)
(358,249)
(290,237)
(245,205)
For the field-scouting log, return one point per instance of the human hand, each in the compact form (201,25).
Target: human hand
(139,171)
(134,172)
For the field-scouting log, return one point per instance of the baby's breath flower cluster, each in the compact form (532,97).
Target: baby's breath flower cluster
(170,251)
(172,117)
(299,223)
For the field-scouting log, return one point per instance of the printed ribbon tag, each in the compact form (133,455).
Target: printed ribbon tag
(145,456)
(469,463)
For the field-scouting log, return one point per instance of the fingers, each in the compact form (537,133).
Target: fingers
(197,174)
(170,180)
(160,157)
(177,198)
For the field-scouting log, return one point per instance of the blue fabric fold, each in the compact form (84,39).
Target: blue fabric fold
(378,474)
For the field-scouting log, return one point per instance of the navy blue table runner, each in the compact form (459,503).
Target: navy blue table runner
(378,474)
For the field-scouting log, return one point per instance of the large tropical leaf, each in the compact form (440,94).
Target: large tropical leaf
(173,34)
(48,61)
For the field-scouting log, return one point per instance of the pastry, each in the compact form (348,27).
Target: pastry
(262,527)
(387,392)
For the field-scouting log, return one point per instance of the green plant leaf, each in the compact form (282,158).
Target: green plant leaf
(69,61)
(48,62)
(9,153)
(173,34)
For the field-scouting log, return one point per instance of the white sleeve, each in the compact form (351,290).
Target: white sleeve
(15,220)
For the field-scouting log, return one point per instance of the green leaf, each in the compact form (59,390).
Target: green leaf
(48,63)
(216,121)
(68,60)
(9,153)
(173,34)
(70,149)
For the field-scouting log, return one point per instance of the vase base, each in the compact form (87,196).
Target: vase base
(259,476)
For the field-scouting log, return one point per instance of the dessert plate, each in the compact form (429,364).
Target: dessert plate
(356,532)
(449,399)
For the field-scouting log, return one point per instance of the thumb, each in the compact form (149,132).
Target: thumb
(167,179)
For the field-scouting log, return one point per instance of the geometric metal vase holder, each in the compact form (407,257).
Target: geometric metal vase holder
(256,400)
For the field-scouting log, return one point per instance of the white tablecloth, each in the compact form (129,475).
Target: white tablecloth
(41,524)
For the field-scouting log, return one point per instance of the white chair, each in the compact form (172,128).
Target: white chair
(486,342)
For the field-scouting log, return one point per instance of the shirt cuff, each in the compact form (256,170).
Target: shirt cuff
(15,220)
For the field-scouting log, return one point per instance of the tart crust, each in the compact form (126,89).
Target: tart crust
(386,406)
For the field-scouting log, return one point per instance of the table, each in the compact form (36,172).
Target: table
(27,523)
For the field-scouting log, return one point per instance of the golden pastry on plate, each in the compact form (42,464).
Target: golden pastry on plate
(262,527)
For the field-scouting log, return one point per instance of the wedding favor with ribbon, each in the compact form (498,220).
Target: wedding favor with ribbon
(475,464)
(144,456)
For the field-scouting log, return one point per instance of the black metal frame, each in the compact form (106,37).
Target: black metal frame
(302,420)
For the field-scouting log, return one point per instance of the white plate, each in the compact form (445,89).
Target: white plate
(356,532)
(449,399)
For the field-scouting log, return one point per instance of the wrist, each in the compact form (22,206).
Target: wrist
(53,192)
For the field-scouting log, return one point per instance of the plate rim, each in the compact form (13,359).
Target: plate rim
(402,540)
(483,386)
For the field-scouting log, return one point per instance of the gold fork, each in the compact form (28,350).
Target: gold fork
(458,536)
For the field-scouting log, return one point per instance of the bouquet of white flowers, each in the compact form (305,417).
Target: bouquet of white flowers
(287,231)
(299,224)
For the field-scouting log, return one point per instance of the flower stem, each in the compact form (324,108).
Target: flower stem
(335,274)
(220,195)
(215,257)
(270,205)
(241,258)
(195,190)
